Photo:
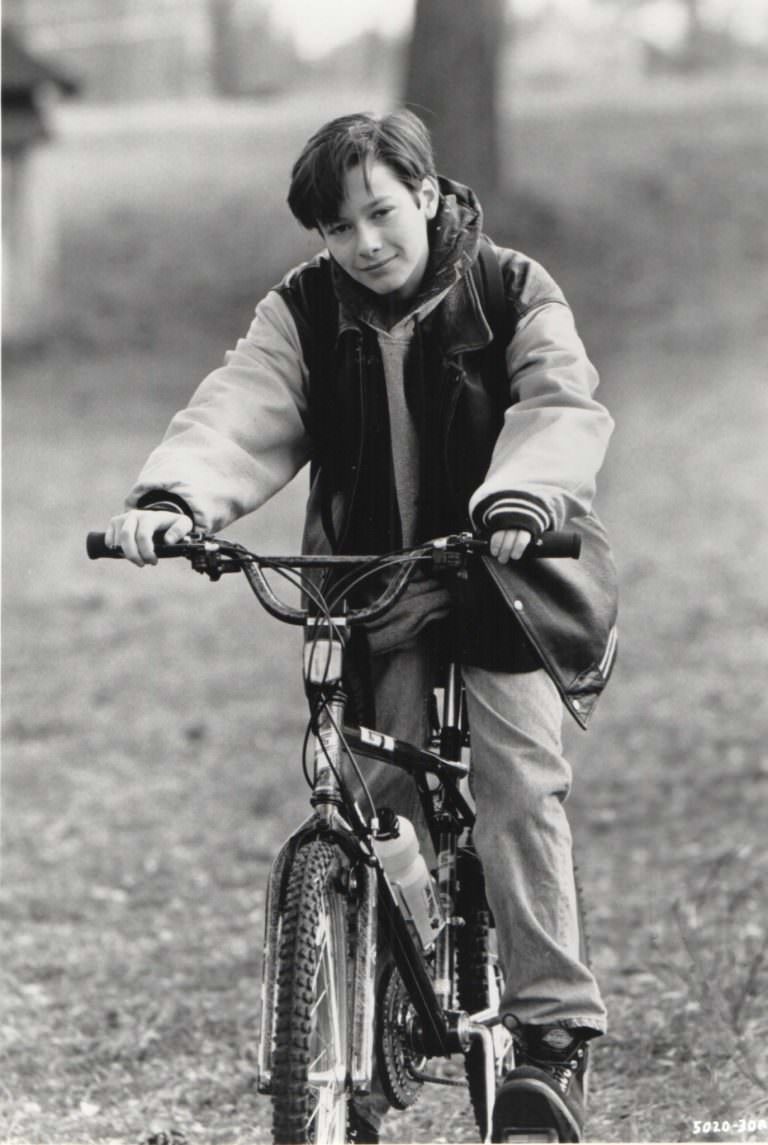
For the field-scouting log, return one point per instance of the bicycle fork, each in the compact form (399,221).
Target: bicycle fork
(359,884)
(362,888)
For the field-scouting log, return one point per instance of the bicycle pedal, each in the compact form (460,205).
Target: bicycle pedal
(439,1079)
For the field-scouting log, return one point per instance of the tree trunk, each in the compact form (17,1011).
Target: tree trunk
(695,37)
(225,59)
(452,77)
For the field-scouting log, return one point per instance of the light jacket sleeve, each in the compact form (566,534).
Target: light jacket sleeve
(555,434)
(243,435)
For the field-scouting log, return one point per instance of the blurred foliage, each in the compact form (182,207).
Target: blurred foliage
(707,36)
(646,206)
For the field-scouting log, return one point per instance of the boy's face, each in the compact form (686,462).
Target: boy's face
(380,237)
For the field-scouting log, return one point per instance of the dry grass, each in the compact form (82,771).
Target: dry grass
(152,720)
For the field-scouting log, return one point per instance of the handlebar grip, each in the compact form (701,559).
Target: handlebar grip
(563,544)
(552,544)
(97,550)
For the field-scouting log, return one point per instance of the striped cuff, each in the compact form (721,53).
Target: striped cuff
(163,499)
(512,511)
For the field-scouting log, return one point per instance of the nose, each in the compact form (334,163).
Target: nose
(368,242)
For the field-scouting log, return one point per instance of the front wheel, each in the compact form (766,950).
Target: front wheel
(311,1050)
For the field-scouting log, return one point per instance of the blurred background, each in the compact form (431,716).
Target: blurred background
(129,126)
(152,722)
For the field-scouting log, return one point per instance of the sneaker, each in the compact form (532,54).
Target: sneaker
(542,1099)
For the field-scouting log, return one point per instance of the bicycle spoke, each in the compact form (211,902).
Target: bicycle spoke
(329,1115)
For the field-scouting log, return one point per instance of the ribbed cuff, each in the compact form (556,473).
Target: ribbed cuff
(162,499)
(501,511)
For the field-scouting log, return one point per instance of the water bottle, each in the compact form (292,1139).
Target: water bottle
(411,881)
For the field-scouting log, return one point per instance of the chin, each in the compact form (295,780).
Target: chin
(390,285)
(383,289)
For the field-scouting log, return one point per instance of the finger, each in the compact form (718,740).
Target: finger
(495,543)
(180,527)
(112,530)
(148,524)
(505,539)
(126,538)
(520,544)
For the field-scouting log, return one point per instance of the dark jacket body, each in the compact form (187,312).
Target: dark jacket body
(513,618)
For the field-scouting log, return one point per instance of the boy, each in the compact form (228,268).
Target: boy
(373,361)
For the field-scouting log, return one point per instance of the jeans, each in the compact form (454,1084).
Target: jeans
(520,783)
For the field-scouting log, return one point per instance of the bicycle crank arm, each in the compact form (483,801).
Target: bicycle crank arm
(434,1079)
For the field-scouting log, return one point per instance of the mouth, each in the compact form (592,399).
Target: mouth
(378,265)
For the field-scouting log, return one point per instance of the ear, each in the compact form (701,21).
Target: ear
(429,197)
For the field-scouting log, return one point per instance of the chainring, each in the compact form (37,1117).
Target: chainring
(398,1062)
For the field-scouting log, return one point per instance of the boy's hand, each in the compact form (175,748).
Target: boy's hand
(133,532)
(509,544)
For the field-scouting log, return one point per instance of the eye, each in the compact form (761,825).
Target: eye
(337,229)
(380,212)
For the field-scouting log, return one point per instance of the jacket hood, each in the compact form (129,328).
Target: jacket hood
(454,237)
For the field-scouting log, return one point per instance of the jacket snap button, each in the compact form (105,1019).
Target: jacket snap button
(577,705)
(518,604)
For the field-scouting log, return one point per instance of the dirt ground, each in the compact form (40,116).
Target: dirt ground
(152,721)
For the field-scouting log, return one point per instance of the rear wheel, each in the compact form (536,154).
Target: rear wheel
(311,1052)
(480,988)
(479,977)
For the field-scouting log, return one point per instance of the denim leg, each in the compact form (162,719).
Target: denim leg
(402,684)
(521,782)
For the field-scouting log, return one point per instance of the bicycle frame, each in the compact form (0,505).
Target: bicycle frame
(439,1029)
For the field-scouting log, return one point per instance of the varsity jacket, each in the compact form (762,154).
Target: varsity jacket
(512,439)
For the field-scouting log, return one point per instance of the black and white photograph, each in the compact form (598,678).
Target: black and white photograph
(442,327)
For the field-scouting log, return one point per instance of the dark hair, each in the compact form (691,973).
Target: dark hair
(399,139)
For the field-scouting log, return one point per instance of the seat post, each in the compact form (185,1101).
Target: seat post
(451,735)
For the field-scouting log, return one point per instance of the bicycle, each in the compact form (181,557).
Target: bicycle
(331,1004)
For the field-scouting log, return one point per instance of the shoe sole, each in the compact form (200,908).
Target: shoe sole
(528,1107)
(529,1136)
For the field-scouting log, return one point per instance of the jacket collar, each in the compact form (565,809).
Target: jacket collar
(455,235)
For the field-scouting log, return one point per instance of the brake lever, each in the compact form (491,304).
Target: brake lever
(206,558)
(452,551)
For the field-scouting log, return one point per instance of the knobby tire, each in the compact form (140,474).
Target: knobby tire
(473,965)
(310,1058)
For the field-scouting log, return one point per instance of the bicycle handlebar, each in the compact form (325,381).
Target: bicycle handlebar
(213,557)
(552,544)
